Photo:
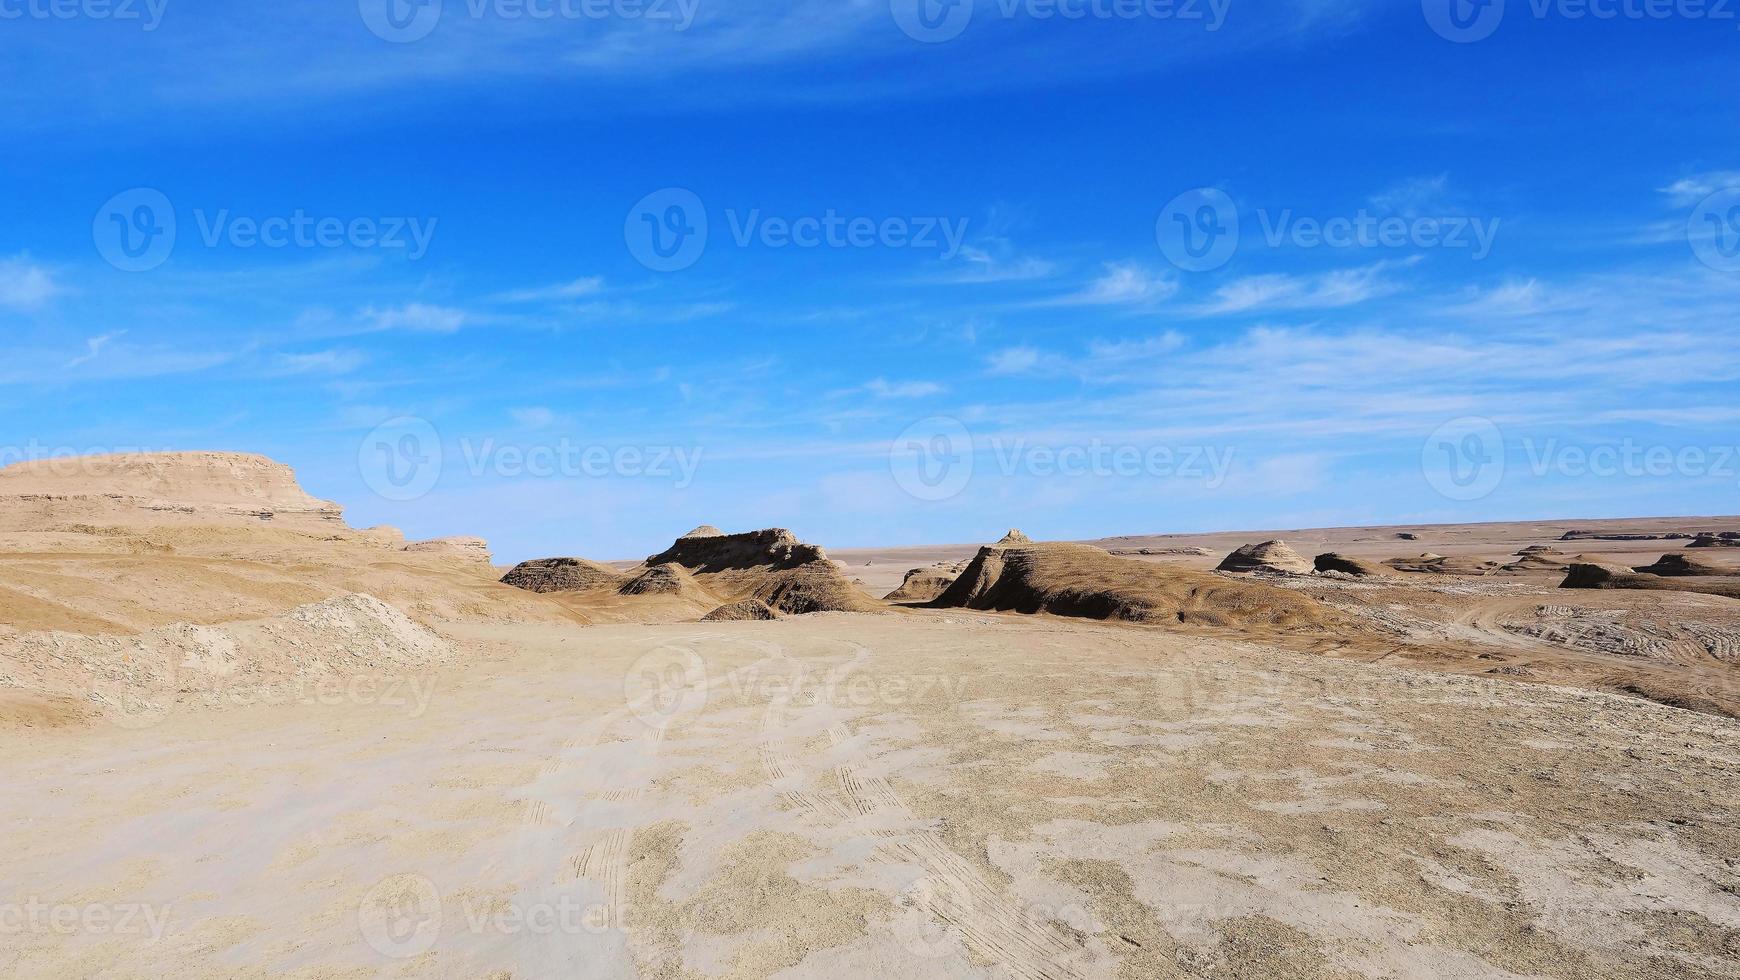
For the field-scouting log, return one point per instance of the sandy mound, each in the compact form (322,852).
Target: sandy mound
(135,677)
(926,584)
(1600,576)
(205,487)
(1346,565)
(705,531)
(1680,564)
(1270,556)
(1014,537)
(666,579)
(771,566)
(544,575)
(741,611)
(1432,564)
(1078,580)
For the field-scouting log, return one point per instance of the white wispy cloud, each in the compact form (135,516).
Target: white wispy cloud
(1013,360)
(976,264)
(1330,290)
(585,286)
(536,417)
(423,317)
(1689,190)
(1414,196)
(1122,284)
(319,362)
(25,285)
(883,388)
(94,348)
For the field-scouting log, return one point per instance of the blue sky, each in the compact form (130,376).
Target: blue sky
(1487,271)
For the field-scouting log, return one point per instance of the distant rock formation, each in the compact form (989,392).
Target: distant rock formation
(926,584)
(142,489)
(1604,576)
(771,566)
(1346,565)
(1726,539)
(1014,537)
(1432,564)
(1679,565)
(1269,556)
(1080,580)
(459,546)
(545,575)
(716,552)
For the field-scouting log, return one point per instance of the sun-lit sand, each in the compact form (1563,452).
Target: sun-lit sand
(247,740)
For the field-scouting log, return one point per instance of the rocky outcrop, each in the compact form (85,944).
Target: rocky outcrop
(1346,565)
(706,553)
(1079,580)
(1269,556)
(743,610)
(1605,576)
(926,584)
(545,575)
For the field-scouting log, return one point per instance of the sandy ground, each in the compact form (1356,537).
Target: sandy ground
(884,795)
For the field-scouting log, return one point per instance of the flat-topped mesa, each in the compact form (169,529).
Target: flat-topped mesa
(158,488)
(717,552)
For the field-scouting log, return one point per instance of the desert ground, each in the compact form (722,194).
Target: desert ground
(247,740)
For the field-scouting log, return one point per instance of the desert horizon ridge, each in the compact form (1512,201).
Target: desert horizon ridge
(1175,755)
